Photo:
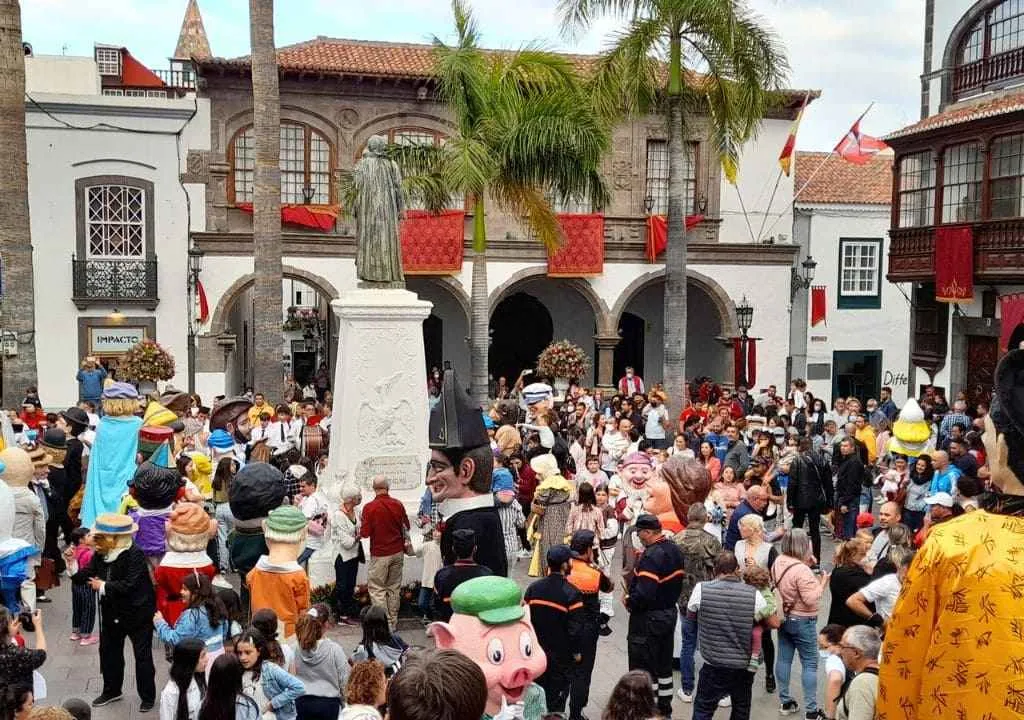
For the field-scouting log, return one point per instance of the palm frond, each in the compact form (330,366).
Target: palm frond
(532,207)
(461,70)
(577,15)
(532,69)
(626,76)
(348,194)
(470,165)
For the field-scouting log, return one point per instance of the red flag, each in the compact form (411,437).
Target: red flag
(657,233)
(202,304)
(786,156)
(751,362)
(744,368)
(858,148)
(954,264)
(817,304)
(1011,314)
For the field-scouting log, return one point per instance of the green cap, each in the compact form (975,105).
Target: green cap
(285,524)
(492,599)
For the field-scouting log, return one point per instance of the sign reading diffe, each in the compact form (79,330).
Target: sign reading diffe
(114,340)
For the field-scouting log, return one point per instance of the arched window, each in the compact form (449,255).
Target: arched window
(306,165)
(992,49)
(421,136)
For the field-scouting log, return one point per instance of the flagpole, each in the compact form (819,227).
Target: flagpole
(746,216)
(790,158)
(771,200)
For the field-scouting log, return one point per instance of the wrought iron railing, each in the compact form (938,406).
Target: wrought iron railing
(114,282)
(978,75)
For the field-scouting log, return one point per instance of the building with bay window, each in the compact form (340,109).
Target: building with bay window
(957,221)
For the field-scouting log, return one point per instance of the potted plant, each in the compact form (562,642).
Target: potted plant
(145,363)
(563,361)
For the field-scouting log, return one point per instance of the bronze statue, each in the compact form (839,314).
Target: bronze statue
(378,184)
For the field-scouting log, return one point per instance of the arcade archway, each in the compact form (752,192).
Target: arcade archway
(446,330)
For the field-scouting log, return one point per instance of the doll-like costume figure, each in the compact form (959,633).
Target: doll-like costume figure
(278,581)
(112,460)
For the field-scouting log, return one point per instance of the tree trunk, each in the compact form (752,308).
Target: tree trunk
(674,371)
(480,337)
(268,370)
(15,236)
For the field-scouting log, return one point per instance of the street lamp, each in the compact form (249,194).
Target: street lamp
(744,319)
(308,192)
(195,267)
(649,203)
(801,281)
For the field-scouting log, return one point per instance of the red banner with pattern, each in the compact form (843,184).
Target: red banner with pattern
(582,251)
(432,244)
(1011,315)
(954,264)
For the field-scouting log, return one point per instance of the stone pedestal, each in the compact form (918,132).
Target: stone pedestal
(379,422)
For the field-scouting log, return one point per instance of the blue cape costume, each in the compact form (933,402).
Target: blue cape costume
(111,466)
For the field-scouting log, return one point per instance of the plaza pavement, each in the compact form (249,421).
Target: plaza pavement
(73,671)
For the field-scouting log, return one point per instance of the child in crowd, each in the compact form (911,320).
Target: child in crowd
(181,696)
(829,638)
(437,684)
(632,698)
(509,510)
(758,577)
(366,691)
(83,597)
(272,688)
(321,665)
(225,699)
(233,615)
(265,620)
(204,618)
(379,643)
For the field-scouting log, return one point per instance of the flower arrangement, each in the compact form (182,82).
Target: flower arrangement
(147,361)
(299,317)
(563,359)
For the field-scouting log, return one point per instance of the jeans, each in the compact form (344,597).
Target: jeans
(717,683)
(850,523)
(425,602)
(225,523)
(867,499)
(689,633)
(813,518)
(799,635)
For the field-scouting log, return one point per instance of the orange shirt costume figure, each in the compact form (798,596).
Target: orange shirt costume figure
(278,582)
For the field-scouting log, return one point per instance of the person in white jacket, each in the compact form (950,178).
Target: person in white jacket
(345,526)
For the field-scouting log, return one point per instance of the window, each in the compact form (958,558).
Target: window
(305,162)
(917,190)
(156,94)
(961,183)
(108,61)
(860,273)
(1005,186)
(657,177)
(422,136)
(570,205)
(984,54)
(115,222)
(1005,27)
(113,92)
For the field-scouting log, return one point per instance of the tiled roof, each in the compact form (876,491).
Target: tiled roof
(965,112)
(341,56)
(838,182)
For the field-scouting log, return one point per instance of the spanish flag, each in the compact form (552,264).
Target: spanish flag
(786,156)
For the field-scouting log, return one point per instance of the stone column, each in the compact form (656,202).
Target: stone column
(606,344)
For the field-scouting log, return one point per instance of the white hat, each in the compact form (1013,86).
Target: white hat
(536,392)
(940,498)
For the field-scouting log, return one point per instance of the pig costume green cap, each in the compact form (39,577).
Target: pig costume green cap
(492,600)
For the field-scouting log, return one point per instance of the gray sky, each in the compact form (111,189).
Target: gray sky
(855,53)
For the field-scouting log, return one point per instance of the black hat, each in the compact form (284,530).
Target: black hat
(55,439)
(581,540)
(463,542)
(76,415)
(227,410)
(255,490)
(31,400)
(558,555)
(648,522)
(1007,407)
(155,487)
(456,422)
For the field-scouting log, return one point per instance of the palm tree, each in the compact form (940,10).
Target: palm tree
(18,317)
(526,132)
(683,58)
(268,374)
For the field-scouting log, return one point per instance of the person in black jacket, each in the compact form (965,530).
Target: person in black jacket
(75,422)
(451,576)
(809,491)
(654,589)
(849,475)
(556,611)
(120,574)
(586,577)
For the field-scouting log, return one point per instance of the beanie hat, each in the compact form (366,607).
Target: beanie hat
(285,524)
(220,440)
(120,391)
(255,490)
(501,480)
(188,528)
(18,470)
(157,414)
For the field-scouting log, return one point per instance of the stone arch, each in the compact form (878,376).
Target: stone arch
(450,285)
(289,113)
(400,119)
(602,316)
(956,35)
(715,292)
(218,321)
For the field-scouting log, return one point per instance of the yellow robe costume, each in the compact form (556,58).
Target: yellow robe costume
(955,645)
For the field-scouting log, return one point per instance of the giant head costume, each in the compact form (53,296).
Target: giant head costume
(285,533)
(189,530)
(113,531)
(255,490)
(673,487)
(232,415)
(910,432)
(1004,426)
(461,458)
(491,625)
(635,471)
(112,461)
(14,553)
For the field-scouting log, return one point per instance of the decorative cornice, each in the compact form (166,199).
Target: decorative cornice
(113,160)
(63,107)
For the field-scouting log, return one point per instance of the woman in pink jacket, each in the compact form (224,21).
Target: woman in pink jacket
(800,591)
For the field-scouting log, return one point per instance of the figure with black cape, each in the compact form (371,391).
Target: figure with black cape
(459,475)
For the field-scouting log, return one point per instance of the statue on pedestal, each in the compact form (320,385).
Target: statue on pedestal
(378,209)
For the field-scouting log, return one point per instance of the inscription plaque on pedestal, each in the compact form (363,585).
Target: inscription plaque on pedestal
(404,472)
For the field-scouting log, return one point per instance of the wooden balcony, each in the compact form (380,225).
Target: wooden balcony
(981,74)
(998,252)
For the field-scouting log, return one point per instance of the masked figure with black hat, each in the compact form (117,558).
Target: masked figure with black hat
(459,475)
(651,598)
(556,610)
(451,576)
(585,576)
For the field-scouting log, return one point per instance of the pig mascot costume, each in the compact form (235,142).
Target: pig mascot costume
(491,626)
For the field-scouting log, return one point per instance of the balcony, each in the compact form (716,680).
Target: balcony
(114,282)
(177,79)
(998,252)
(980,74)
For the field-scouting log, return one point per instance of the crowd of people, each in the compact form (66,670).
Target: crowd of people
(710,521)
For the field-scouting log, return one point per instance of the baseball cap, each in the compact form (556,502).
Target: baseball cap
(559,555)
(940,498)
(580,541)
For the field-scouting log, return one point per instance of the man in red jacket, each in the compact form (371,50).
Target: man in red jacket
(386,524)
